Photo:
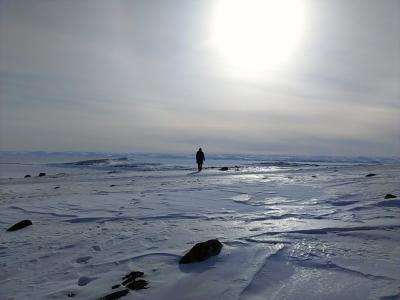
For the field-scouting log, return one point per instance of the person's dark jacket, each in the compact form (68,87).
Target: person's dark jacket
(200,156)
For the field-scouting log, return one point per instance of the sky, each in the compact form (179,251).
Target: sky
(317,77)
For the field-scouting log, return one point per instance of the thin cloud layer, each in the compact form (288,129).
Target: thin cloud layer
(143,76)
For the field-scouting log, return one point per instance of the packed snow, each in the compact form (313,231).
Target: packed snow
(291,227)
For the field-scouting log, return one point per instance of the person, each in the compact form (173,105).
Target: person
(200,159)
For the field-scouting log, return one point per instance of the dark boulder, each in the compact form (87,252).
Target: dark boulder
(390,196)
(27,176)
(41,174)
(20,225)
(202,251)
(370,175)
(224,169)
(115,295)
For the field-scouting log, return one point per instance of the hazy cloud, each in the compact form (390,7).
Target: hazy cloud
(141,76)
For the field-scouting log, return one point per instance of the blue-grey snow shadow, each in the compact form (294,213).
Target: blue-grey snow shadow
(199,267)
(194,173)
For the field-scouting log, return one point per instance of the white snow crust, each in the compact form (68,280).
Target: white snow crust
(290,231)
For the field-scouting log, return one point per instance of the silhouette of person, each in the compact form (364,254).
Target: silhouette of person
(200,159)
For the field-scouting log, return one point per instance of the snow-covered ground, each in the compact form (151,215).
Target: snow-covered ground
(319,230)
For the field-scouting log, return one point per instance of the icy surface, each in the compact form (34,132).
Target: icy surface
(291,229)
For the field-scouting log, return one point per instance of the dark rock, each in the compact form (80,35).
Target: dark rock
(112,185)
(115,286)
(390,196)
(137,284)
(224,169)
(131,277)
(41,174)
(115,295)
(20,225)
(370,175)
(56,187)
(27,176)
(314,176)
(202,251)
(71,295)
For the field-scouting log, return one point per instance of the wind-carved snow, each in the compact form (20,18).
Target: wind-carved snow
(290,231)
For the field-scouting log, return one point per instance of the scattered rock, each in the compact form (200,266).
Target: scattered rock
(137,284)
(131,277)
(27,176)
(20,225)
(71,295)
(132,282)
(390,196)
(370,175)
(115,295)
(202,251)
(41,174)
(224,169)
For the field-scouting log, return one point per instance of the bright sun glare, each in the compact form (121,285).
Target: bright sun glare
(257,34)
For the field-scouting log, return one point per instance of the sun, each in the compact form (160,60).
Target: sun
(257,34)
